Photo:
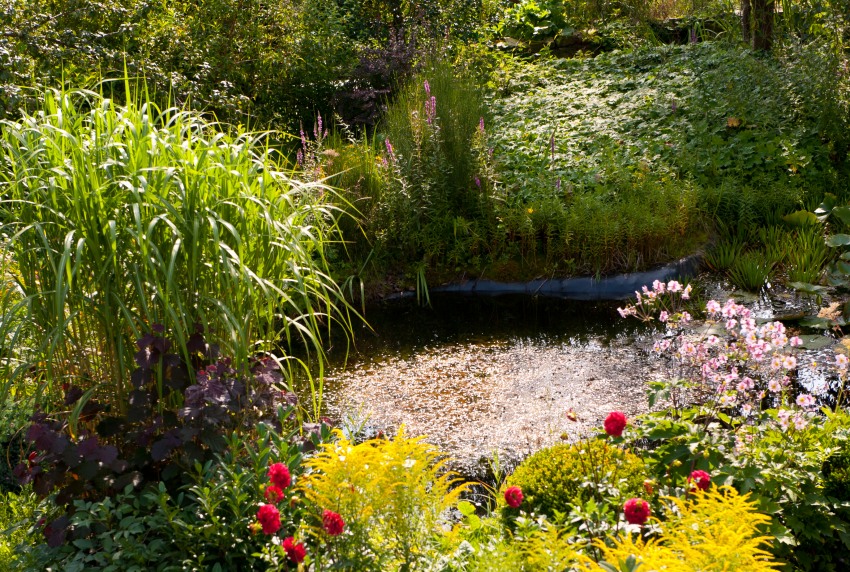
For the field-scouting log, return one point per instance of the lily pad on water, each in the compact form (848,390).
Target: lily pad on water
(815,322)
(816,341)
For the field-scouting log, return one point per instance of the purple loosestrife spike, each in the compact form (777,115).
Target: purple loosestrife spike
(427,89)
(319,129)
(481,125)
(299,158)
(477,182)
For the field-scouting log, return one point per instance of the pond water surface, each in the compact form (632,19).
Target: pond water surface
(486,376)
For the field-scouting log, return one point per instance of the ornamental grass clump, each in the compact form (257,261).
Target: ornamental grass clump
(381,501)
(119,217)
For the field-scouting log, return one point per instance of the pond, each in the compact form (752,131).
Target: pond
(490,377)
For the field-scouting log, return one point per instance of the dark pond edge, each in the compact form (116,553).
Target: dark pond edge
(616,287)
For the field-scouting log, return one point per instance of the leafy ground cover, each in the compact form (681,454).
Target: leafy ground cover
(616,163)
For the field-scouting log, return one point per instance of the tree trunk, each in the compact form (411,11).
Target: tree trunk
(763,11)
(746,20)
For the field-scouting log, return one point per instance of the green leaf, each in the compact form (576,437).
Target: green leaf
(801,218)
(826,207)
(807,288)
(838,240)
(466,508)
(843,214)
(816,341)
(815,322)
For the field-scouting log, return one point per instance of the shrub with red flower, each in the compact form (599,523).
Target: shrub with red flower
(636,511)
(274,494)
(279,475)
(700,479)
(332,523)
(269,518)
(615,423)
(513,496)
(295,551)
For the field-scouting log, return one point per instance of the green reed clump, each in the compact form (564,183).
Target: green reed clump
(117,218)
(808,255)
(723,255)
(750,270)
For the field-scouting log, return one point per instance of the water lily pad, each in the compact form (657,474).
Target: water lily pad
(816,341)
(815,322)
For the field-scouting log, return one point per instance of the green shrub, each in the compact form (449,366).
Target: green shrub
(553,480)
(16,514)
(836,474)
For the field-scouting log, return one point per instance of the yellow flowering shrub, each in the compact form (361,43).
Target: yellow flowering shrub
(713,530)
(390,494)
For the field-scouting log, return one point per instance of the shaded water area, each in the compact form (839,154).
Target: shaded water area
(480,376)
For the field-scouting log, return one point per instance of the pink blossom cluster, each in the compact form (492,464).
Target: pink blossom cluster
(665,297)
(737,367)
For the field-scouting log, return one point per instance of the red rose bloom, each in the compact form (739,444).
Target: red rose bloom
(513,496)
(269,518)
(332,522)
(295,552)
(636,511)
(615,423)
(700,479)
(273,494)
(279,475)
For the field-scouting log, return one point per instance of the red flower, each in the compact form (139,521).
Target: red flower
(332,522)
(615,423)
(273,494)
(513,496)
(269,517)
(295,552)
(700,479)
(636,511)
(279,475)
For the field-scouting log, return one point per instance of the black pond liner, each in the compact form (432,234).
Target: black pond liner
(616,287)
